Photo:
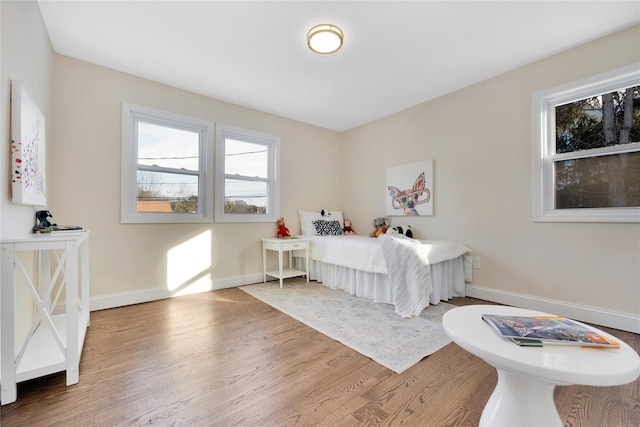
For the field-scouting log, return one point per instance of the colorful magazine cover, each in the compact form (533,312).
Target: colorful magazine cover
(547,330)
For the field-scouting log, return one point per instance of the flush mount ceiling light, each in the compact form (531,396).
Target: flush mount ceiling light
(325,39)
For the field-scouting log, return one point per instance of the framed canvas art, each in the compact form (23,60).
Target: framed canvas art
(410,189)
(28,156)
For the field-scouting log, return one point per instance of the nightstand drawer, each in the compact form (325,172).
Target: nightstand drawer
(294,245)
(277,244)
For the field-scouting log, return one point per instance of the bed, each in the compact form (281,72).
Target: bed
(392,269)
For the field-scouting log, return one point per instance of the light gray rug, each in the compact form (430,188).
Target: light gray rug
(372,329)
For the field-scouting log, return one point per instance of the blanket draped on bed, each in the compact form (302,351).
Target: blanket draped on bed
(409,271)
(406,263)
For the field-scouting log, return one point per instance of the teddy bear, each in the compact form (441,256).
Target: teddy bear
(347,227)
(380,226)
(283,231)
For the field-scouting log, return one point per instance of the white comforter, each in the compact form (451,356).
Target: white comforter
(405,261)
(365,253)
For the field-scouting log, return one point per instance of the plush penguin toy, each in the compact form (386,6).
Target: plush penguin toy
(400,230)
(42,219)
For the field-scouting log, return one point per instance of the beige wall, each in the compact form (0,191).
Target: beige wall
(482,176)
(27,57)
(85,176)
(480,139)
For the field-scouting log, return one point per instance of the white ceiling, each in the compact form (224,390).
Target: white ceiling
(396,54)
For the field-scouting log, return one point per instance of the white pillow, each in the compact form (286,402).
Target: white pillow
(306,220)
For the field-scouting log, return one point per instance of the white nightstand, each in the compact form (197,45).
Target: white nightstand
(282,245)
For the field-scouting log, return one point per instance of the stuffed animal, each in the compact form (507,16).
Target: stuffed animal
(42,220)
(408,232)
(347,227)
(283,231)
(399,230)
(394,230)
(380,226)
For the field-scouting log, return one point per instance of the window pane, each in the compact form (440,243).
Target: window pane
(167,147)
(598,182)
(601,121)
(245,158)
(245,197)
(167,192)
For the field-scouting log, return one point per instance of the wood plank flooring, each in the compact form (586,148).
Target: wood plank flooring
(224,358)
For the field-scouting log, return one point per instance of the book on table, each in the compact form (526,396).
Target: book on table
(537,331)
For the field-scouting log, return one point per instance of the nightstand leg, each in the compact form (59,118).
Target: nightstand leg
(306,260)
(264,264)
(280,261)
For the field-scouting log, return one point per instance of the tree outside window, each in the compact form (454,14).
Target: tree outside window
(601,180)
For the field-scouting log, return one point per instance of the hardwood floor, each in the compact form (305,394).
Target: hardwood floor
(224,358)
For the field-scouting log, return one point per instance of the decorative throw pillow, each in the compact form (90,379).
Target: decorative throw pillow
(328,228)
(307,217)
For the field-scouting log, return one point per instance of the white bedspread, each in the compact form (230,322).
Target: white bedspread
(405,262)
(364,253)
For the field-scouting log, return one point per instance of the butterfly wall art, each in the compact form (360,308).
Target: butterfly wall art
(410,189)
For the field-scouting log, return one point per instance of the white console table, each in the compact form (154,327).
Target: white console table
(54,340)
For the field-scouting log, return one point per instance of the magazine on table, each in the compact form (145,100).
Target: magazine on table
(537,331)
(54,229)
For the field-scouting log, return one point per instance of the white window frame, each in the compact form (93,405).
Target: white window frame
(131,114)
(272,142)
(543,123)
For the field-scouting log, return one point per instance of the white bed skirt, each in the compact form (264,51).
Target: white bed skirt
(448,279)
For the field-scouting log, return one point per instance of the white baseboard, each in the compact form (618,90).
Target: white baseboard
(612,319)
(146,295)
(597,316)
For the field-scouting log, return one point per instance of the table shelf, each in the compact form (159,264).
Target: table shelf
(287,273)
(43,356)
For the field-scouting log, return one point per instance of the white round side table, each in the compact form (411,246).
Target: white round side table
(527,376)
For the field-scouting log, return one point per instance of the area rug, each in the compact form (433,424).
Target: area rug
(372,329)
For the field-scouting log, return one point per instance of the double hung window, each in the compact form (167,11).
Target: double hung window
(167,162)
(247,187)
(587,149)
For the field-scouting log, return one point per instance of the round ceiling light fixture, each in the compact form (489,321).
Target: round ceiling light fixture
(325,39)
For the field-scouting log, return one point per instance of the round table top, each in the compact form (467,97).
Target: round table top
(556,364)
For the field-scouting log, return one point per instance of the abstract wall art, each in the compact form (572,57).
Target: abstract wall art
(28,155)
